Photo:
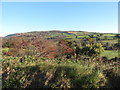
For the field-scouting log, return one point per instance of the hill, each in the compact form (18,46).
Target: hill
(61,59)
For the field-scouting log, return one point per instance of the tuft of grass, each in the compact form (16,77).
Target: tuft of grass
(5,49)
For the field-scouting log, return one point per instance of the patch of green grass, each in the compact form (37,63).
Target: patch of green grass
(80,36)
(110,54)
(108,34)
(5,49)
(110,41)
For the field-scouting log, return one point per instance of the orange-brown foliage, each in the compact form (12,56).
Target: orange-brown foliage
(66,49)
(35,46)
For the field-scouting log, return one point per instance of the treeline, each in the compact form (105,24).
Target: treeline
(40,47)
(60,48)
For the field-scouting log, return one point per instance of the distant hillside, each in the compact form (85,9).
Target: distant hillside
(49,33)
(55,35)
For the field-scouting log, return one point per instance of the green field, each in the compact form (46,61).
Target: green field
(110,54)
(110,41)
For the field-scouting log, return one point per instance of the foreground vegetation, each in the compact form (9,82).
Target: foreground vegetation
(51,73)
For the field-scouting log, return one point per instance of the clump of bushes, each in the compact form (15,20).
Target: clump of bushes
(42,73)
(77,77)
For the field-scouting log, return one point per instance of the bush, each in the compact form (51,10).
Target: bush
(43,72)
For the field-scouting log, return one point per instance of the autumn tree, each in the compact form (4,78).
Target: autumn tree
(15,45)
(34,46)
(66,48)
(42,47)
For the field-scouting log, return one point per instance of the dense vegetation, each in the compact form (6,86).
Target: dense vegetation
(57,59)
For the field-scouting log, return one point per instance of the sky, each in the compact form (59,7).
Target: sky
(20,17)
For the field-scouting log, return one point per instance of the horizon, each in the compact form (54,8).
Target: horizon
(58,31)
(101,17)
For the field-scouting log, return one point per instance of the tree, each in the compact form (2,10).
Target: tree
(34,46)
(116,46)
(41,47)
(66,48)
(92,50)
(117,36)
